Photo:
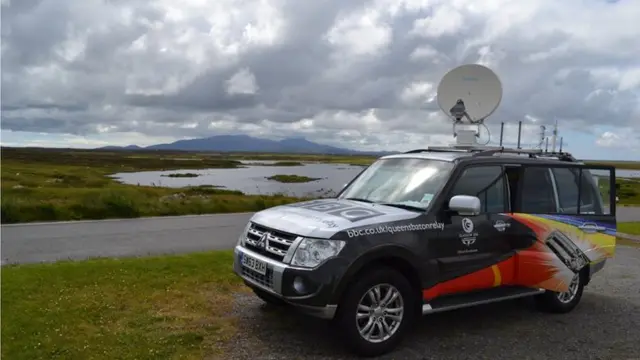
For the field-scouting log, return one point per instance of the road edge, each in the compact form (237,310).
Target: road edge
(629,237)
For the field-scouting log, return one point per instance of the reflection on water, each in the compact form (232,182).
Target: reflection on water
(252,179)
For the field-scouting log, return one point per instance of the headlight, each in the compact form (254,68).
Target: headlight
(243,235)
(312,252)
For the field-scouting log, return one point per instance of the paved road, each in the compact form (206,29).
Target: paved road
(44,242)
(83,239)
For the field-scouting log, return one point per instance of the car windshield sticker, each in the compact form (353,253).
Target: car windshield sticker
(426,199)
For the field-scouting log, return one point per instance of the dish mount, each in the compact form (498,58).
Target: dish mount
(468,94)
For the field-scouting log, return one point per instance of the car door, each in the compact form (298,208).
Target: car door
(566,222)
(583,195)
(470,244)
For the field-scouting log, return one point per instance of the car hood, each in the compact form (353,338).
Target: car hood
(326,217)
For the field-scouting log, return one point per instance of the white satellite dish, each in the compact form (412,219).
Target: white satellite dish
(469,92)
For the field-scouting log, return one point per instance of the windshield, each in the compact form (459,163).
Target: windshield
(400,181)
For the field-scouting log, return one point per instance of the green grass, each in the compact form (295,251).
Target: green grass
(622,165)
(288,163)
(291,178)
(169,307)
(628,191)
(39,185)
(632,228)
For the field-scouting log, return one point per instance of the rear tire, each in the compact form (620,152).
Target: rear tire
(268,298)
(376,312)
(560,303)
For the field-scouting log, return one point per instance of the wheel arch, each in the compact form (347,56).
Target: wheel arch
(393,256)
(585,274)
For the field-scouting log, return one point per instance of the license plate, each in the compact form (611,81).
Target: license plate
(254,264)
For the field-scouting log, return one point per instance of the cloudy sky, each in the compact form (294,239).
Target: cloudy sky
(359,74)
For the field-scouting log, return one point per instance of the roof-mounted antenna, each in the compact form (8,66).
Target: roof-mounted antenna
(469,92)
(542,135)
(519,133)
(554,137)
(546,145)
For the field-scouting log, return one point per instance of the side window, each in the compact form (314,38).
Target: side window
(567,185)
(537,191)
(485,182)
(590,198)
(567,181)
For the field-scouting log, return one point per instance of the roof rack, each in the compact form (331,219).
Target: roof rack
(490,151)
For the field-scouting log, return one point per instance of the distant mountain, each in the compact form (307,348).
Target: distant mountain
(245,143)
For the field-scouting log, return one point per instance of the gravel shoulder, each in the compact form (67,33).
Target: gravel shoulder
(604,326)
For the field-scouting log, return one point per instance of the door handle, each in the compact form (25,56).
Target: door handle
(591,228)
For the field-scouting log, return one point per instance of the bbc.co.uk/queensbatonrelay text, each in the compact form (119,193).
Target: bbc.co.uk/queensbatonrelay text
(392,229)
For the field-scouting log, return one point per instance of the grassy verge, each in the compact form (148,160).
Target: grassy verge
(626,242)
(169,307)
(291,178)
(632,227)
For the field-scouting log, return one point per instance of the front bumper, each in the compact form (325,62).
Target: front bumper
(279,279)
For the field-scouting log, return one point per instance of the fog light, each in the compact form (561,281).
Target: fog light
(299,285)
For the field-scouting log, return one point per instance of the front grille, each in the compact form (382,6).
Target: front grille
(567,251)
(265,280)
(275,245)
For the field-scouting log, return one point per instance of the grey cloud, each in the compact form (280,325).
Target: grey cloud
(42,124)
(43,106)
(289,74)
(206,93)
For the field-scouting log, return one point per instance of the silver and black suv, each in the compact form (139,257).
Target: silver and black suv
(432,230)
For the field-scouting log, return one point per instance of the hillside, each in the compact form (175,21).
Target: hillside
(245,143)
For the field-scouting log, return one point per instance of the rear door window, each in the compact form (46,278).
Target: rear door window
(577,186)
(538,196)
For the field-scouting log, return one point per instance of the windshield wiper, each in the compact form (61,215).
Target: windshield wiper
(360,199)
(404,206)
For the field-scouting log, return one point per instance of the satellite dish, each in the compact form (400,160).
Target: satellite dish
(469,92)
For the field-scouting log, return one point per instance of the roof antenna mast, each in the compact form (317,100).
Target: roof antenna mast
(554,137)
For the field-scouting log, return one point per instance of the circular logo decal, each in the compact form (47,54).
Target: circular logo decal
(467,225)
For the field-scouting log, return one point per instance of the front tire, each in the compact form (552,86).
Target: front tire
(376,312)
(562,302)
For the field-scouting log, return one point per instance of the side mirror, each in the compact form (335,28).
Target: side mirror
(344,185)
(465,205)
